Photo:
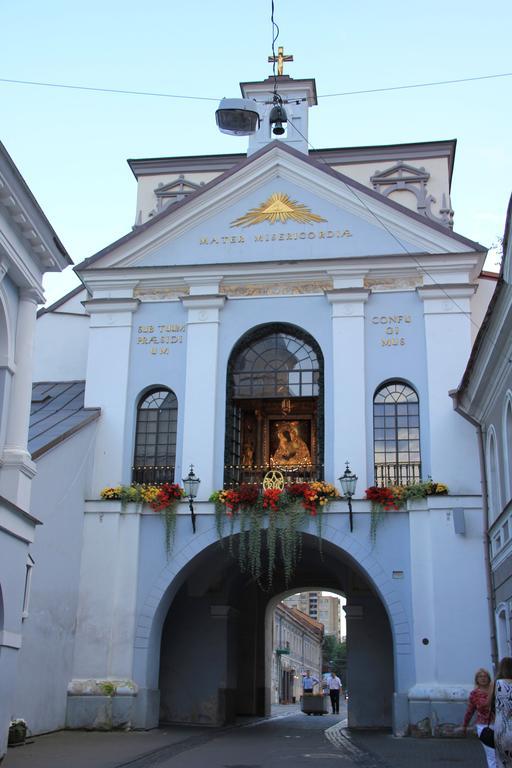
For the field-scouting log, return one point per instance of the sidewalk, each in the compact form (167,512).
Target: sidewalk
(116,749)
(377,749)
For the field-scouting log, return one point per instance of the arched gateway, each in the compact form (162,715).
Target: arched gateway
(201,643)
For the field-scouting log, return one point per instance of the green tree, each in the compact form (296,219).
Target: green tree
(334,657)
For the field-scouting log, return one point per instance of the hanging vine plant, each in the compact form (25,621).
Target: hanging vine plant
(161,498)
(269,524)
(385,498)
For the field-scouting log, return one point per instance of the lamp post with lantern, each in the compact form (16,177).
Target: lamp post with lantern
(348,482)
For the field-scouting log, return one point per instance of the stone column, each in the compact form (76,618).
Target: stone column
(453,449)
(18,469)
(199,426)
(107,383)
(349,386)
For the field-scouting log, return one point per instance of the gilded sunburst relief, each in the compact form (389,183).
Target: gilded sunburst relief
(278,207)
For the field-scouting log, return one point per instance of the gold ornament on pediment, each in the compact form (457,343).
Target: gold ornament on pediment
(278,207)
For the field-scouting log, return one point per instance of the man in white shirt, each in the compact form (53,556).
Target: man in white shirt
(334,692)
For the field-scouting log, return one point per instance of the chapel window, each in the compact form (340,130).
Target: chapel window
(507,446)
(274,409)
(155,440)
(396,435)
(493,475)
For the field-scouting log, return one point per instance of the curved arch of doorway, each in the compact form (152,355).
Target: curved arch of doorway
(159,598)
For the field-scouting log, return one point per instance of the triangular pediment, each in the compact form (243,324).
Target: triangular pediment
(400,172)
(180,185)
(278,205)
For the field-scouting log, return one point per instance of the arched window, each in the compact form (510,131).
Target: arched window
(278,365)
(274,414)
(507,446)
(502,630)
(493,475)
(396,435)
(155,439)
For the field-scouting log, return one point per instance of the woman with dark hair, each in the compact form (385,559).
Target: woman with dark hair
(479,702)
(503,722)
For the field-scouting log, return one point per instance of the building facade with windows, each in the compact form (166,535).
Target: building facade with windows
(283,310)
(297,648)
(322,608)
(484,397)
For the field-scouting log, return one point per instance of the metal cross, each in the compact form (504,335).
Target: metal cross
(280,59)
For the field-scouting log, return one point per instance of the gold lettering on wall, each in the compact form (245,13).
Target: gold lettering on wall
(159,338)
(392,326)
(322,234)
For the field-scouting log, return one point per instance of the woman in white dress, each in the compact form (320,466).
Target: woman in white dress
(503,722)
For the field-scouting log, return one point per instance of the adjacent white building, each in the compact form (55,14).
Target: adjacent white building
(29,247)
(484,397)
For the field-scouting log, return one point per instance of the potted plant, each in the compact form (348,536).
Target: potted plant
(17,732)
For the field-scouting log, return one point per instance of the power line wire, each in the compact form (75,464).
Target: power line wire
(415,85)
(157,94)
(107,90)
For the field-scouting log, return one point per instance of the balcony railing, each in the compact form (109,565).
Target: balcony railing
(397,474)
(153,475)
(303,473)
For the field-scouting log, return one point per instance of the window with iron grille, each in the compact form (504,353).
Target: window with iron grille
(396,435)
(155,440)
(275,372)
(278,365)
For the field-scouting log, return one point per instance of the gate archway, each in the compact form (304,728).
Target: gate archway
(209,623)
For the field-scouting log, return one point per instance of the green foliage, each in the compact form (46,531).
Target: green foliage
(108,689)
(169,517)
(386,498)
(269,525)
(334,657)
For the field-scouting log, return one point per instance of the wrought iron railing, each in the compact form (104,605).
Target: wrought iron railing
(304,473)
(153,475)
(397,474)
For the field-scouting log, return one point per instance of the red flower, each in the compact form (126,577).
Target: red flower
(306,493)
(248,494)
(271,497)
(383,496)
(168,494)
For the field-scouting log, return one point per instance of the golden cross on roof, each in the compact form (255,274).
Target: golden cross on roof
(280,58)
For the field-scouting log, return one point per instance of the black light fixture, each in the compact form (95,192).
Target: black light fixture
(191,486)
(348,482)
(278,116)
(237,117)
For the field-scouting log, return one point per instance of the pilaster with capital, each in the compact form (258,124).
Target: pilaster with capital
(107,383)
(453,447)
(201,386)
(17,468)
(349,391)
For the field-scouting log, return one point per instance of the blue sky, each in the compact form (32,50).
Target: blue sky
(72,146)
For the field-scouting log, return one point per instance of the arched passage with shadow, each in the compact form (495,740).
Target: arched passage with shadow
(208,652)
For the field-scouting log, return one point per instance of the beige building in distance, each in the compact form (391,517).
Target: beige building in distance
(296,647)
(322,608)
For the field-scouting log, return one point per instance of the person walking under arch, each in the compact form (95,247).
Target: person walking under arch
(334,692)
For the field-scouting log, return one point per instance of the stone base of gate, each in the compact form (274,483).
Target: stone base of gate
(105,705)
